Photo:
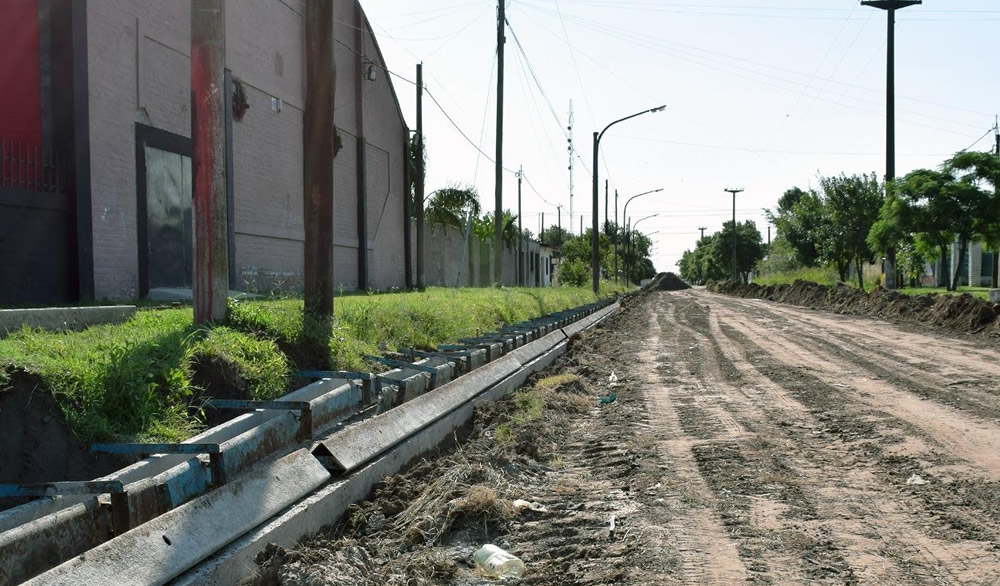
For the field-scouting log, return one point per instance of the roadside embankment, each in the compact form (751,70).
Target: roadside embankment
(959,313)
(145,379)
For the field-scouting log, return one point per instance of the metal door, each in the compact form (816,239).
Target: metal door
(169,237)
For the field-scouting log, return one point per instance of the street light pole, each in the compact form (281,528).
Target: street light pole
(594,241)
(734,192)
(632,241)
(617,232)
(890,6)
(624,212)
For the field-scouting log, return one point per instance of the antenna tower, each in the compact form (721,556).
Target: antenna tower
(572,152)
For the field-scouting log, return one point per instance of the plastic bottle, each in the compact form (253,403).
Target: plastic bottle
(496,562)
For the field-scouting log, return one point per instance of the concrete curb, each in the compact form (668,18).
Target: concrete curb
(61,319)
(159,550)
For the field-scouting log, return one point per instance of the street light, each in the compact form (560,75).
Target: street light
(594,240)
(624,212)
(631,240)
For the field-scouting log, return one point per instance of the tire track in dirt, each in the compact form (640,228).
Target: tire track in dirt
(756,491)
(976,440)
(947,542)
(960,563)
(962,378)
(707,554)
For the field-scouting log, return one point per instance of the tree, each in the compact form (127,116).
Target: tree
(711,259)
(451,205)
(953,203)
(852,206)
(483,227)
(892,232)
(555,236)
(801,220)
(749,248)
(983,170)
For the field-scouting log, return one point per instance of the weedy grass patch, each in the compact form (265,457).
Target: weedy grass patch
(137,380)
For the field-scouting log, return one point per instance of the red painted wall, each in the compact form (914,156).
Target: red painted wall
(20,73)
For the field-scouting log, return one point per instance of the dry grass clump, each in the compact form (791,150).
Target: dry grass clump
(472,492)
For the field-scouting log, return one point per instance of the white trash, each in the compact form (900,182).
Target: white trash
(495,562)
(915,479)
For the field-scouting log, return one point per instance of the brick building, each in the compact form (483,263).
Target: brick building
(112,107)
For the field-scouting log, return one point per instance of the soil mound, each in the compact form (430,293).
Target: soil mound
(670,282)
(959,313)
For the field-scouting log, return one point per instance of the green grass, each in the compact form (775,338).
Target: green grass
(134,381)
(980,292)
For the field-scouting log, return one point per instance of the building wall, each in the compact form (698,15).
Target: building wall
(139,68)
(20,70)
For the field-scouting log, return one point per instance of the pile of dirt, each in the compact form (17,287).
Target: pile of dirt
(960,313)
(670,282)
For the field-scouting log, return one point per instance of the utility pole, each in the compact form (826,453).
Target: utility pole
(210,287)
(418,184)
(996,255)
(605,201)
(890,6)
(768,239)
(734,192)
(581,224)
(996,132)
(520,232)
(616,236)
(498,194)
(541,232)
(702,229)
(559,223)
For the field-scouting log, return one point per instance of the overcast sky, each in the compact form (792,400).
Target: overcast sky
(760,95)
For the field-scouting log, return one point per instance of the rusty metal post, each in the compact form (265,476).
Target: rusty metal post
(211,240)
(318,137)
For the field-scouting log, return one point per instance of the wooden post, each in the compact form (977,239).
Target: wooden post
(211,243)
(318,137)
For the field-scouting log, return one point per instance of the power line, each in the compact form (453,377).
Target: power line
(991,129)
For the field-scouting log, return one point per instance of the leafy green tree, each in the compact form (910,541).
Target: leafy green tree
(781,257)
(749,248)
(983,170)
(852,206)
(801,220)
(574,273)
(555,236)
(484,229)
(954,203)
(892,232)
(450,206)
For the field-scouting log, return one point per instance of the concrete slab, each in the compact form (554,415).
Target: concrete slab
(61,319)
(162,549)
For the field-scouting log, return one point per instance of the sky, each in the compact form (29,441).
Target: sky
(761,95)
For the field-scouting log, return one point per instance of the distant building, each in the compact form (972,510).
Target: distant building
(95,185)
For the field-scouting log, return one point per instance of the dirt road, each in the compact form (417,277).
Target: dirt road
(823,447)
(750,442)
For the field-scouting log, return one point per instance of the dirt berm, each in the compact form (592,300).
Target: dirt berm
(669,282)
(960,313)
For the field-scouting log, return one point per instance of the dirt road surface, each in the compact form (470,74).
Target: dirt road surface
(750,442)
